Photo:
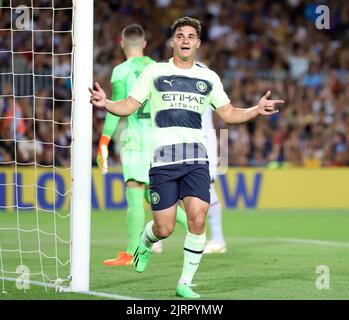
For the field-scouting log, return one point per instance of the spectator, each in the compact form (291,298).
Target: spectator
(253,45)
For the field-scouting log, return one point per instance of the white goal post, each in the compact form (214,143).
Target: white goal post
(33,228)
(82,148)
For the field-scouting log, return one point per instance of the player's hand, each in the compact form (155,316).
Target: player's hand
(98,96)
(102,155)
(267,107)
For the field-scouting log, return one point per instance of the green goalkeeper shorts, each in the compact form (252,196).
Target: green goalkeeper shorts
(135,166)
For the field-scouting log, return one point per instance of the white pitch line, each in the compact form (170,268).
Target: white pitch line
(294,240)
(67,290)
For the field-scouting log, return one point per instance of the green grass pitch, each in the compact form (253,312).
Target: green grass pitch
(272,254)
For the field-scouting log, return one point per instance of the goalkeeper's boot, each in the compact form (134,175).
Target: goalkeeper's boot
(185,291)
(141,257)
(123,259)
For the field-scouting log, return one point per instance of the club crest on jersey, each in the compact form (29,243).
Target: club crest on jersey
(155,198)
(201,86)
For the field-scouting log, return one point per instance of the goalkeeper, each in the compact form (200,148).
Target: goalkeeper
(136,153)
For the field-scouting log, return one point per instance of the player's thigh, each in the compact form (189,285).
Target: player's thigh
(196,209)
(164,189)
(165,220)
(195,192)
(196,183)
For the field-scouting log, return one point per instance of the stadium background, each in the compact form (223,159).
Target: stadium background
(254,46)
(238,188)
(285,165)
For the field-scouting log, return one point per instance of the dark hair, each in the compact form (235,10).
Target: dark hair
(133,32)
(186,21)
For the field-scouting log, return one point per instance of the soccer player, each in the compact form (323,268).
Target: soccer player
(216,244)
(136,154)
(179,90)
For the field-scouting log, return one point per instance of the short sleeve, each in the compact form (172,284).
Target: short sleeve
(219,97)
(141,89)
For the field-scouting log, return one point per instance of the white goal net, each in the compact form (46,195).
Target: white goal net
(36,138)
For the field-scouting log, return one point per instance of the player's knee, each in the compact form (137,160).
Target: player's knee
(196,220)
(164,231)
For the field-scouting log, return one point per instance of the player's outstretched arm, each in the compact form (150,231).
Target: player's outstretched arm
(232,115)
(122,108)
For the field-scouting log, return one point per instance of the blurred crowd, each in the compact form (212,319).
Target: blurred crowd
(254,46)
(35,84)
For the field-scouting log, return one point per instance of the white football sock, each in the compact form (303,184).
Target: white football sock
(193,249)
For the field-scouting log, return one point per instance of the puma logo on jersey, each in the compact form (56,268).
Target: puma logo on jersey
(169,82)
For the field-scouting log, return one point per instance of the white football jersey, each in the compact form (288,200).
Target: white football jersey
(178,98)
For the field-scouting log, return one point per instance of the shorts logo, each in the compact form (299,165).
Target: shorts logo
(155,198)
(201,86)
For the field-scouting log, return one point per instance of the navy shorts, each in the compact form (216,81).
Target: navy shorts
(171,183)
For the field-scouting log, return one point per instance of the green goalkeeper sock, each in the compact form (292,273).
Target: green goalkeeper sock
(193,249)
(135,217)
(181,218)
